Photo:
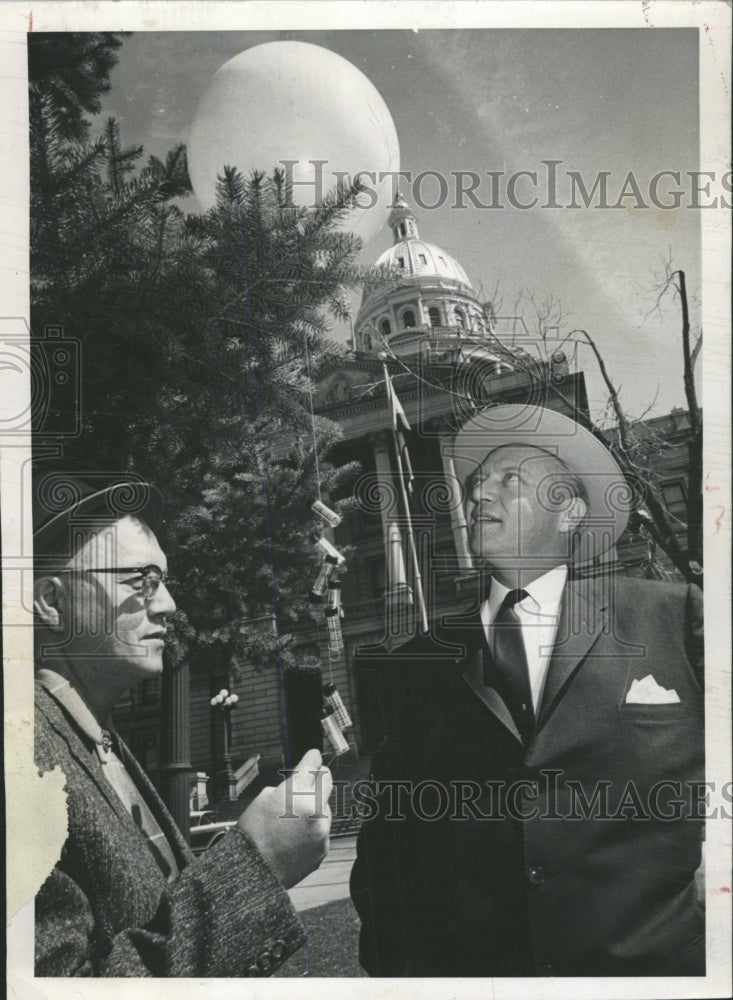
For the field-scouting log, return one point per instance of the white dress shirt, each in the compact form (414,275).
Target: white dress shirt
(538,614)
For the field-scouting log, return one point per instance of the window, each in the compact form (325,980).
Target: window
(423,259)
(434,315)
(358,525)
(675,498)
(673,492)
(150,691)
(374,572)
(385,327)
(307,652)
(401,262)
(408,319)
(460,318)
(402,229)
(367,342)
(148,755)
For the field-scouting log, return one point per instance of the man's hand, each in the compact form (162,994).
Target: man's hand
(290,823)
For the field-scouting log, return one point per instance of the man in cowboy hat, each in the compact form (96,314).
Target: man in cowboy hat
(126,897)
(533,804)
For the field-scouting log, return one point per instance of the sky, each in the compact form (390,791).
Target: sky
(488,100)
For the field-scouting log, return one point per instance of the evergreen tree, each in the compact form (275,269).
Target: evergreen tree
(67,74)
(200,337)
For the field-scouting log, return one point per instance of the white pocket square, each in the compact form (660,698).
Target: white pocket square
(648,692)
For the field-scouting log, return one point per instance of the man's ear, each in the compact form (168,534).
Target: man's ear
(571,518)
(48,601)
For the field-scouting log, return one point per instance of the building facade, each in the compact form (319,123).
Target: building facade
(425,326)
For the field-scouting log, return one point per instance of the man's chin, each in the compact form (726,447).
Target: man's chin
(494,557)
(146,667)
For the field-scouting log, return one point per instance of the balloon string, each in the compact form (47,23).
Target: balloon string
(331,660)
(315,456)
(313,419)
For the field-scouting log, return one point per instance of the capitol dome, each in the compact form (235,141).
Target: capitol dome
(430,305)
(415,257)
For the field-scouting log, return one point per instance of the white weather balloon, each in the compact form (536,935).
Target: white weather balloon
(295,101)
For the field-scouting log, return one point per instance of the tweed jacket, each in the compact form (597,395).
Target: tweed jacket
(574,854)
(106,909)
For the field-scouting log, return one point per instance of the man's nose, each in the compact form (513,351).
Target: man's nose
(161,603)
(484,490)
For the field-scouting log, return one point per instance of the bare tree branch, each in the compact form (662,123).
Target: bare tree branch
(613,392)
(651,406)
(696,350)
(689,378)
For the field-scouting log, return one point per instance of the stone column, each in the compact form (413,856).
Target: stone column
(398,596)
(422,313)
(176,768)
(389,499)
(457,508)
(396,562)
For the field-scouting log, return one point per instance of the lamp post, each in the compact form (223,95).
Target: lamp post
(224,780)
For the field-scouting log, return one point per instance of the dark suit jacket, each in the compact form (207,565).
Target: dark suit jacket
(106,909)
(594,881)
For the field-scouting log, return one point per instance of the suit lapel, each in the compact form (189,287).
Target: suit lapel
(477,673)
(87,759)
(80,751)
(582,619)
(474,675)
(154,802)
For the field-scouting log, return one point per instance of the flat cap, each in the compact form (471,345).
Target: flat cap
(61,499)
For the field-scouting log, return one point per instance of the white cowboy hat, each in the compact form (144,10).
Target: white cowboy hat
(610,498)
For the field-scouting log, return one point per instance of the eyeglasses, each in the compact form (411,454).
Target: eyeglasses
(151,577)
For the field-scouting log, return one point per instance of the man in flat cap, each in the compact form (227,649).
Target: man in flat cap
(126,897)
(533,809)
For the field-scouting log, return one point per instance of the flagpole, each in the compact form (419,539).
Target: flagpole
(425,628)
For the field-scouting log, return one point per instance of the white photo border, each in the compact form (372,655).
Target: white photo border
(713,20)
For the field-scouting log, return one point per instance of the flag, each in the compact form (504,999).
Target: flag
(400,427)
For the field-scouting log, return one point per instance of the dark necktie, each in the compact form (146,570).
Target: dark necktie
(510,660)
